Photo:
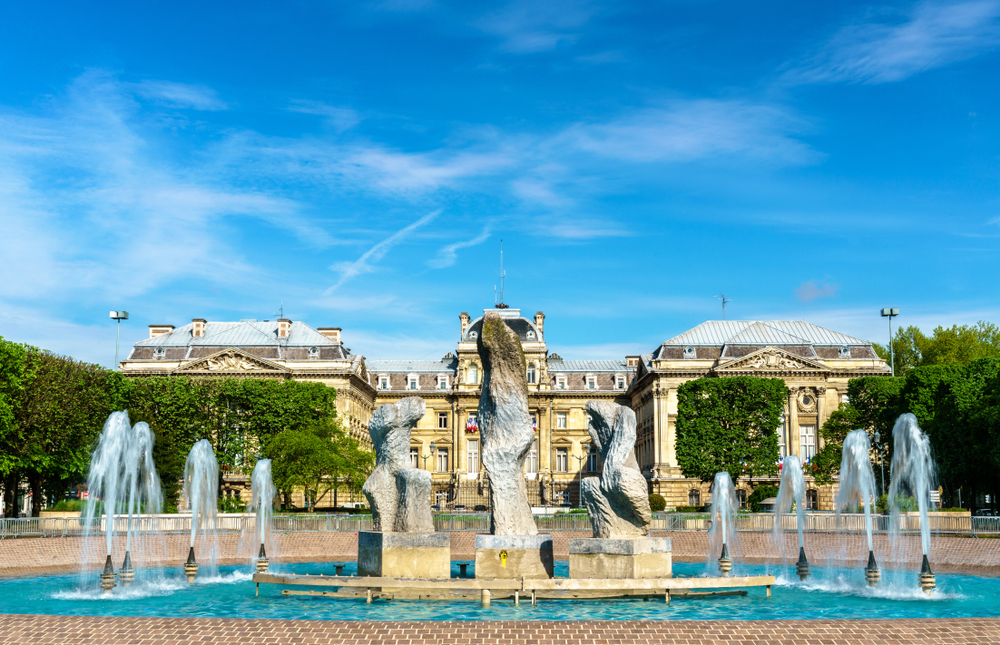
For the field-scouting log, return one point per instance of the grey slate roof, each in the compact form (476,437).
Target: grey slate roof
(412,367)
(240,334)
(751,332)
(514,320)
(588,366)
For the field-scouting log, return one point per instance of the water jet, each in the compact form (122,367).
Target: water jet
(108,577)
(857,485)
(723,513)
(191,566)
(792,490)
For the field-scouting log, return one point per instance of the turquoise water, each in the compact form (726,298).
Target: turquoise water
(830,593)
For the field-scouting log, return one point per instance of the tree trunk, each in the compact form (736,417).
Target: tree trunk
(35,481)
(10,495)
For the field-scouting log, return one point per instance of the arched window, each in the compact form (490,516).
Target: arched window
(531,373)
(694,497)
(473,376)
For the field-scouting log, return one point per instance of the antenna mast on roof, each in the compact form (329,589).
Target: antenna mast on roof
(281,310)
(724,301)
(499,303)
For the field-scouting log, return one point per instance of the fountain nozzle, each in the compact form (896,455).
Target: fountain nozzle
(872,574)
(802,566)
(262,561)
(126,574)
(191,566)
(725,563)
(108,577)
(927,582)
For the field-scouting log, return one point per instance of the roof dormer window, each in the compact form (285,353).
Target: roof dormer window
(473,335)
(383,382)
(560,381)
(591,382)
(689,352)
(314,352)
(412,382)
(619,381)
(159,353)
(442,382)
(845,352)
(530,335)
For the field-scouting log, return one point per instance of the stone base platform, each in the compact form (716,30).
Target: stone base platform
(620,558)
(404,555)
(514,556)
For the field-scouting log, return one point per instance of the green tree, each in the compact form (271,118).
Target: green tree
(13,365)
(908,346)
(955,345)
(729,424)
(826,463)
(316,458)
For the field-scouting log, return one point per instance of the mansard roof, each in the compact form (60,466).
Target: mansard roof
(716,333)
(412,367)
(524,328)
(559,365)
(247,333)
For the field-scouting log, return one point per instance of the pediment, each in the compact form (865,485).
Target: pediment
(772,359)
(232,361)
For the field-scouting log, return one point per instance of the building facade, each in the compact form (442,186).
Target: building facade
(815,363)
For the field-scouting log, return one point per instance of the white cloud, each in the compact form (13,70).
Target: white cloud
(341,118)
(572,228)
(932,35)
(349,270)
(809,291)
(180,95)
(690,130)
(449,254)
(528,27)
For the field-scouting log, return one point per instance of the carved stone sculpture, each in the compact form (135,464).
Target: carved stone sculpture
(505,426)
(398,494)
(617,501)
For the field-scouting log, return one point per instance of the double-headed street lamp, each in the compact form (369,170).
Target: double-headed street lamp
(119,316)
(586,448)
(889,312)
(428,455)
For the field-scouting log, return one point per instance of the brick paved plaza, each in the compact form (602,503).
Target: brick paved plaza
(74,630)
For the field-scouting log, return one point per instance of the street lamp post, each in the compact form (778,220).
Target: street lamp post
(119,316)
(428,455)
(586,449)
(889,312)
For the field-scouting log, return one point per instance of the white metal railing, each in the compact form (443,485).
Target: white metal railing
(238,522)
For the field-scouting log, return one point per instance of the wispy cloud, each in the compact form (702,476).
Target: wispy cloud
(181,95)
(932,35)
(341,118)
(526,27)
(697,129)
(449,254)
(813,289)
(349,270)
(584,229)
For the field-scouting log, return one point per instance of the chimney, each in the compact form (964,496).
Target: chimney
(159,330)
(284,327)
(632,361)
(333,333)
(540,323)
(198,329)
(464,317)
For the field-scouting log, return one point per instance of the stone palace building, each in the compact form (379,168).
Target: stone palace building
(816,364)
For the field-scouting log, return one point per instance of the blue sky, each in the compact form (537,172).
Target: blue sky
(360,163)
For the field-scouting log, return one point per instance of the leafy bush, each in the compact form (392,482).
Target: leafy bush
(231,505)
(759,494)
(657,503)
(690,509)
(68,505)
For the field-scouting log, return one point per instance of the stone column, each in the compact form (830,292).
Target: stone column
(820,413)
(670,443)
(545,441)
(793,421)
(658,431)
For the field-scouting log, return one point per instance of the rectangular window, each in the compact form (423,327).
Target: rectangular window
(807,442)
(442,382)
(560,419)
(414,457)
(562,460)
(412,382)
(531,374)
(781,439)
(473,456)
(442,459)
(593,461)
(741,497)
(560,382)
(531,463)
(443,420)
(619,382)
(591,382)
(383,382)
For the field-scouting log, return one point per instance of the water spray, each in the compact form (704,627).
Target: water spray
(792,489)
(913,471)
(723,511)
(108,577)
(857,484)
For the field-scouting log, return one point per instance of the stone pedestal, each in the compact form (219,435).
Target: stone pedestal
(404,555)
(620,558)
(514,556)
